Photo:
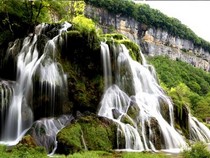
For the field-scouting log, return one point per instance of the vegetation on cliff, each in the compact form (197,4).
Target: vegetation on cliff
(152,18)
(186,84)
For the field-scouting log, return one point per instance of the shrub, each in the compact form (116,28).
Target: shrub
(198,150)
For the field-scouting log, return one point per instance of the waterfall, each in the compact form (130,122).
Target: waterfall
(6,92)
(132,97)
(32,63)
(198,131)
(140,108)
(106,60)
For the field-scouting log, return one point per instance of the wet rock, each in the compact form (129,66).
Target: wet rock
(182,120)
(127,120)
(154,133)
(133,110)
(164,109)
(116,113)
(44,131)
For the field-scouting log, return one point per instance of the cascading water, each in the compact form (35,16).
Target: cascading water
(138,105)
(198,131)
(44,131)
(6,93)
(31,62)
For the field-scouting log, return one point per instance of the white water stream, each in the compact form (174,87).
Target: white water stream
(20,116)
(135,87)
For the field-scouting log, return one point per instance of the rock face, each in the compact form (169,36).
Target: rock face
(152,41)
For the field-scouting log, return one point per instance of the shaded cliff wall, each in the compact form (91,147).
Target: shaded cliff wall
(152,41)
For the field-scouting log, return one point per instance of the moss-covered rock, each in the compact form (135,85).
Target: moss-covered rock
(133,49)
(120,39)
(69,139)
(127,120)
(84,93)
(88,132)
(133,110)
(115,36)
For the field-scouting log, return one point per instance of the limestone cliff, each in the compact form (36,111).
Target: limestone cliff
(152,41)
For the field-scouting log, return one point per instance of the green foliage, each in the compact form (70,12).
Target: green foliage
(180,95)
(152,18)
(174,72)
(18,21)
(22,151)
(72,9)
(185,84)
(125,7)
(25,152)
(198,150)
(202,107)
(84,24)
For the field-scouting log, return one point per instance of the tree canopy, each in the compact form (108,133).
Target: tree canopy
(17,21)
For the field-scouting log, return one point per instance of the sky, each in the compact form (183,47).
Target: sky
(194,14)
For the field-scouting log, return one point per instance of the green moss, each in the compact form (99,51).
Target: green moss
(133,49)
(82,48)
(115,36)
(121,39)
(73,34)
(85,80)
(84,93)
(97,135)
(70,138)
(133,111)
(127,120)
